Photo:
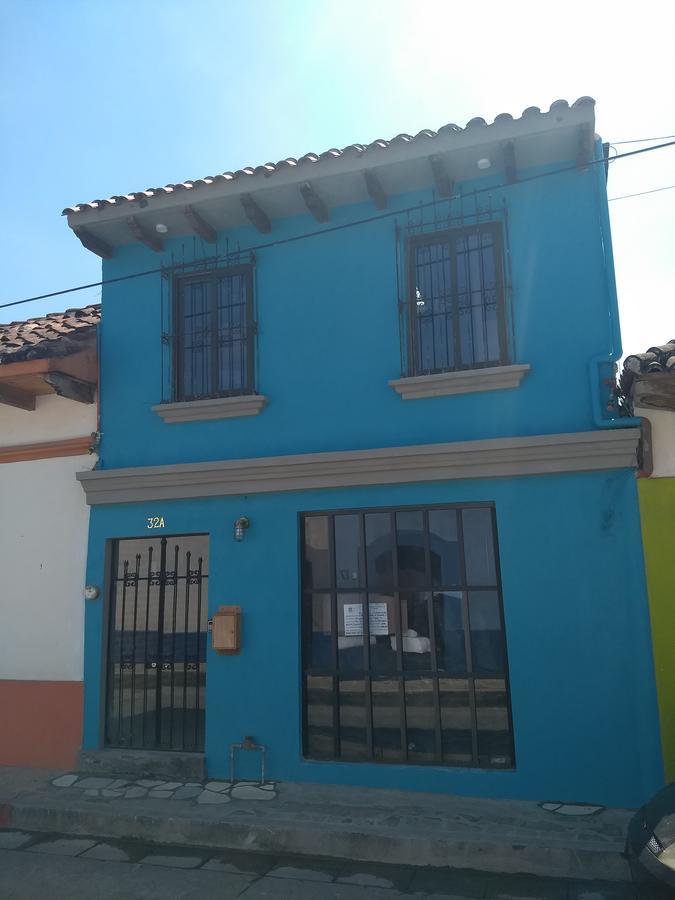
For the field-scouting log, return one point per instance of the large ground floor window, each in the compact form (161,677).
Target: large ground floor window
(404,654)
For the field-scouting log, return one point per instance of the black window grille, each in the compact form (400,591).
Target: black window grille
(456,309)
(214,331)
(404,654)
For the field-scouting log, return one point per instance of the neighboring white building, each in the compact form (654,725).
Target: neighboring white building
(48,425)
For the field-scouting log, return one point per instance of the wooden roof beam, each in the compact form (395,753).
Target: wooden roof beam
(200,226)
(375,190)
(12,396)
(314,203)
(144,236)
(93,243)
(443,181)
(255,214)
(509,161)
(71,388)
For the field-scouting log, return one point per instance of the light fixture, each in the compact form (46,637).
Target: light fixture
(240,527)
(483,163)
(91,592)
(161,228)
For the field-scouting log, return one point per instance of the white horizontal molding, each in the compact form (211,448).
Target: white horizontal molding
(470,381)
(584,451)
(217,408)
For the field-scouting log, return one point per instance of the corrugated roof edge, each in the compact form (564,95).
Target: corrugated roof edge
(270,168)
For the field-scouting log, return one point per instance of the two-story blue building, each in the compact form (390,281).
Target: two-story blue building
(363,397)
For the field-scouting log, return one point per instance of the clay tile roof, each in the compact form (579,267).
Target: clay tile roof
(56,334)
(316,159)
(660,358)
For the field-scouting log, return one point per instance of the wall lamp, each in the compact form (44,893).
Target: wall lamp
(240,526)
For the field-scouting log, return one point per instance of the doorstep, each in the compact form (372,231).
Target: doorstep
(363,824)
(144,763)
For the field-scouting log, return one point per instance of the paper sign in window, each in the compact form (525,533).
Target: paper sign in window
(378,618)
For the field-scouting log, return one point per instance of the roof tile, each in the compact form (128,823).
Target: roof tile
(55,334)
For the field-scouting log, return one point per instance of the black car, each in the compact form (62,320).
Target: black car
(651,836)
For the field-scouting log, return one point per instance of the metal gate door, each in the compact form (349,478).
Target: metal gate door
(157,644)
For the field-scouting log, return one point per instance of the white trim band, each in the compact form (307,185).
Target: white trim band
(546,454)
(217,408)
(470,381)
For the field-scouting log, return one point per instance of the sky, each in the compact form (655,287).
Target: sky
(101,98)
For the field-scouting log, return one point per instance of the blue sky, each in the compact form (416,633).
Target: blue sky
(100,98)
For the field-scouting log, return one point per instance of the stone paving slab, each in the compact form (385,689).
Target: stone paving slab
(107,852)
(62,846)
(13,840)
(174,862)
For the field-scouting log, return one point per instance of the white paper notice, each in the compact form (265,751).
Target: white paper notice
(378,620)
(353,618)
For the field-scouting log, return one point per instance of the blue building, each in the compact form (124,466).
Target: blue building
(360,400)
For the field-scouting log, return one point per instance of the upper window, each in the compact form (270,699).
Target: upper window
(213,355)
(456,312)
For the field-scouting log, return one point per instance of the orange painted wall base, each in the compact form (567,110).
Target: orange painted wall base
(41,723)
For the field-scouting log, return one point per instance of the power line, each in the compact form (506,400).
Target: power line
(668,187)
(664,137)
(365,221)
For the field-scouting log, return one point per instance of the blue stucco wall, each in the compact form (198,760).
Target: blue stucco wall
(329,335)
(582,685)
(577,625)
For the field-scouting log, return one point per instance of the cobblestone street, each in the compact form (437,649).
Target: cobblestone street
(38,866)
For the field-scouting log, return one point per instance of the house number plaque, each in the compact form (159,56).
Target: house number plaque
(155,521)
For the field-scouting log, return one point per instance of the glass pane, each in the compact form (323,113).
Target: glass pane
(420,719)
(353,719)
(379,551)
(386,718)
(232,342)
(494,736)
(449,624)
(350,632)
(196,339)
(433,306)
(415,623)
(320,700)
(478,547)
(411,550)
(487,648)
(348,552)
(316,562)
(321,644)
(444,547)
(383,622)
(455,721)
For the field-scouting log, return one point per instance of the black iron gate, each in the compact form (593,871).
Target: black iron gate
(157,644)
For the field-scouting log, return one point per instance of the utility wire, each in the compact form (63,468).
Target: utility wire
(365,221)
(668,187)
(664,137)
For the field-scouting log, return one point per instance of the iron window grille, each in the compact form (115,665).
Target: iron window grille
(213,334)
(456,305)
(404,652)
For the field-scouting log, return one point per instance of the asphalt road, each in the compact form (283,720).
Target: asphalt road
(54,867)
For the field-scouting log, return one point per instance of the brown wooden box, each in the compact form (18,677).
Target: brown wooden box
(226,630)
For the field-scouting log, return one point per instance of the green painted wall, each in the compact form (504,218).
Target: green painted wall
(657,507)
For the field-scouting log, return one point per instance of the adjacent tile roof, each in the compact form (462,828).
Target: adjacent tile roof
(56,334)
(656,359)
(312,159)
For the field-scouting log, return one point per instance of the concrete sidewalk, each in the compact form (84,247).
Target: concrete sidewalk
(364,824)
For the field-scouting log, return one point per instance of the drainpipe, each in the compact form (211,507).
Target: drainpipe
(607,361)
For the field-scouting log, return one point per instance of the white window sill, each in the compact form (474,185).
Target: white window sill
(470,381)
(216,408)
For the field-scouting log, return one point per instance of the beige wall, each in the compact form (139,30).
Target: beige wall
(43,544)
(663,439)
